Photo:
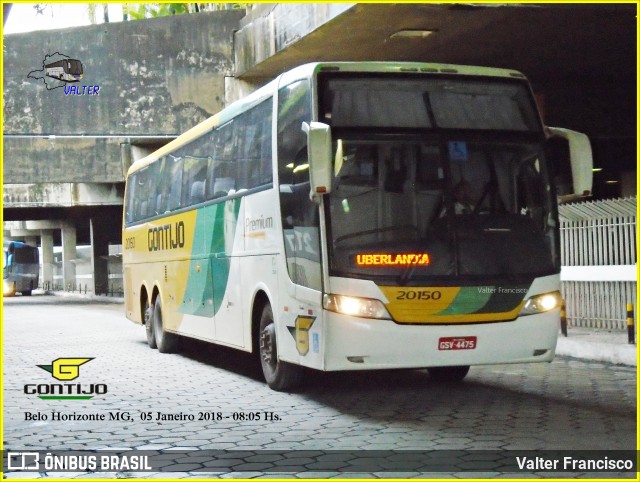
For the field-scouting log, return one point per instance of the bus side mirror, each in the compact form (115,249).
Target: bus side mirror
(319,152)
(580,160)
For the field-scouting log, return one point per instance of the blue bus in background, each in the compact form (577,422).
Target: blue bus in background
(21,268)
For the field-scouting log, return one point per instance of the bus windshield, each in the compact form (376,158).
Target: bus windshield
(438,193)
(390,102)
(75,67)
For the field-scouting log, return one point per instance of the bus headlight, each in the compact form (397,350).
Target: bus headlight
(542,303)
(8,288)
(354,306)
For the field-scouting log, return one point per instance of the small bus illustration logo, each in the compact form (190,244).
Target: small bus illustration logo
(68,70)
(58,70)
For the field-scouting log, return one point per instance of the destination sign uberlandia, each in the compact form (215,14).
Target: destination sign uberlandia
(388,259)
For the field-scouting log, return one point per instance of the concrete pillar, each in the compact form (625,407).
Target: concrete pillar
(99,258)
(68,256)
(46,240)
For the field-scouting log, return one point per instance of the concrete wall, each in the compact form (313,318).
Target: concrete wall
(156,77)
(270,29)
(62,194)
(61,160)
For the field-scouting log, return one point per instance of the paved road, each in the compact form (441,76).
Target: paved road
(567,404)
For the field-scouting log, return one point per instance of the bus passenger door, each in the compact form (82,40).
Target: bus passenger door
(302,249)
(300,326)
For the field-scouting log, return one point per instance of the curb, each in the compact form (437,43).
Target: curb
(87,297)
(617,354)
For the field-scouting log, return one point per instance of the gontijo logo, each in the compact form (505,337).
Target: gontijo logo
(65,369)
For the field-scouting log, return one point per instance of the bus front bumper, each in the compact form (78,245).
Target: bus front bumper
(365,344)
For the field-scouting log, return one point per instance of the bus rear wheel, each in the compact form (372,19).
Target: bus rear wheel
(165,341)
(147,312)
(278,374)
(448,374)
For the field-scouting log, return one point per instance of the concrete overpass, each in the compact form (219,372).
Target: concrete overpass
(65,155)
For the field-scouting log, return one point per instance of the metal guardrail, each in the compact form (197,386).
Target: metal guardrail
(603,234)
(599,233)
(113,289)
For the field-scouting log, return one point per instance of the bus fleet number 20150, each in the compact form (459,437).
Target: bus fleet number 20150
(419,295)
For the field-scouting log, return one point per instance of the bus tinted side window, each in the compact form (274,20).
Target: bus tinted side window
(294,107)
(253,141)
(235,156)
(142,190)
(162,186)
(130,199)
(222,172)
(173,169)
(240,152)
(195,163)
(155,185)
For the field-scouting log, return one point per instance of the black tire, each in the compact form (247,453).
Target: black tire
(147,313)
(278,374)
(165,341)
(448,374)
(26,293)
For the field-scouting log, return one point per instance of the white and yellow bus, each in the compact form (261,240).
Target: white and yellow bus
(355,216)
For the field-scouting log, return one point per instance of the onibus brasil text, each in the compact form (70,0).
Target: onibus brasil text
(89,462)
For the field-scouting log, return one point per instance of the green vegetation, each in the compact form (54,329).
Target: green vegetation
(151,10)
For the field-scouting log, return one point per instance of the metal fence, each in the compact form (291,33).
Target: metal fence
(598,244)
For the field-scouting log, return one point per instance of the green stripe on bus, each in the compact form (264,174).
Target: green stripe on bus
(505,299)
(468,300)
(213,239)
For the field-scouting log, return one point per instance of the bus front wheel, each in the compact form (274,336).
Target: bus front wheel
(148,324)
(278,374)
(448,374)
(165,341)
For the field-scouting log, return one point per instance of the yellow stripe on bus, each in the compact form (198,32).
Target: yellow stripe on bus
(164,246)
(423,305)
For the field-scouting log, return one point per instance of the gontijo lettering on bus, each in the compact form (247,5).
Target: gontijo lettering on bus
(169,236)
